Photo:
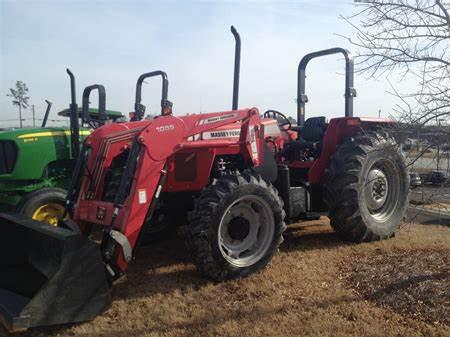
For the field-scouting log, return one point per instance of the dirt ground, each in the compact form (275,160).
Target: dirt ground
(316,286)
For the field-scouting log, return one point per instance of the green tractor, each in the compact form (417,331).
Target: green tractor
(36,163)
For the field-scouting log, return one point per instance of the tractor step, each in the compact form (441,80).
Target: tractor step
(48,275)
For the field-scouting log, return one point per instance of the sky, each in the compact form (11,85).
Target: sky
(113,42)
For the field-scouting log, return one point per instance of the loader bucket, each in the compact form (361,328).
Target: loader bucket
(48,275)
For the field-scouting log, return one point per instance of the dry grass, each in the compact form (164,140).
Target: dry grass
(304,292)
(416,283)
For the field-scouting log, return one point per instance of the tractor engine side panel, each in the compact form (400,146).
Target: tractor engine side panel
(191,169)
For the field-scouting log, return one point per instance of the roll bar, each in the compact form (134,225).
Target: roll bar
(47,112)
(237,66)
(74,123)
(166,105)
(350,91)
(101,103)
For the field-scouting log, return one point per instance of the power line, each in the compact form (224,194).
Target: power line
(37,119)
(11,120)
(34,117)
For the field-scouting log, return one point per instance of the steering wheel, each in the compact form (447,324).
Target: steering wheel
(275,114)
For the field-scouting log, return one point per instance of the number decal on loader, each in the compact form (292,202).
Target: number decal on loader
(165,128)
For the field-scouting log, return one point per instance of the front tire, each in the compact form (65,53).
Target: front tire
(367,188)
(236,226)
(161,227)
(44,205)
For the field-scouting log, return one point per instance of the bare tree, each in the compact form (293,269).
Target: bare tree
(19,97)
(412,38)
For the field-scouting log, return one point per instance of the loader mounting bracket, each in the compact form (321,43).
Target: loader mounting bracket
(123,242)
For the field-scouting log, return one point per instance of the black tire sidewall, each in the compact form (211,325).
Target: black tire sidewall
(164,230)
(36,199)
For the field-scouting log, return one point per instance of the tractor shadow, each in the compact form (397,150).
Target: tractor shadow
(438,221)
(310,236)
(164,267)
(159,269)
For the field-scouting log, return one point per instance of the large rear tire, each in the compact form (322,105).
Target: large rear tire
(367,187)
(236,226)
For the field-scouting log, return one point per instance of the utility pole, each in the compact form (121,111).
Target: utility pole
(34,119)
(448,161)
(438,143)
(379,113)
(20,115)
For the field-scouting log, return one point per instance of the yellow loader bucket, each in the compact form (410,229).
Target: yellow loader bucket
(48,275)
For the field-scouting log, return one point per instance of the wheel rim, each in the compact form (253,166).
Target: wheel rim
(49,213)
(246,231)
(382,190)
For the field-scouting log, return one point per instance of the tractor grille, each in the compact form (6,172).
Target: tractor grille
(8,156)
(113,176)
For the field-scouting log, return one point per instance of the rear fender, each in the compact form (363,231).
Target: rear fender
(339,129)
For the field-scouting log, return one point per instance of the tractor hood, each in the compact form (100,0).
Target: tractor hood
(13,134)
(25,154)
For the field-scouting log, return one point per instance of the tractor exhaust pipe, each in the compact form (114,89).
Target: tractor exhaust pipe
(47,112)
(74,123)
(350,91)
(166,105)
(237,66)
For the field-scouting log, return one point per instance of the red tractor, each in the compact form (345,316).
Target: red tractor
(237,178)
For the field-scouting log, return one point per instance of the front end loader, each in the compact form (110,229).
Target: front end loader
(44,279)
(235,178)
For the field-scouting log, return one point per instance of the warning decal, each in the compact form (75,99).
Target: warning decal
(142,194)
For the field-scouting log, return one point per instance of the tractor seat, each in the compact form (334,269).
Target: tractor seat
(314,129)
(309,144)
